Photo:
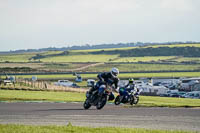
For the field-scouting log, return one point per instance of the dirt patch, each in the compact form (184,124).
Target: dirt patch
(87,66)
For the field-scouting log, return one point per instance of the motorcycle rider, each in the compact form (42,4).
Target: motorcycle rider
(124,92)
(106,78)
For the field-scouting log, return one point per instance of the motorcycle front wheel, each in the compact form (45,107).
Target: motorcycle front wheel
(86,104)
(101,102)
(131,100)
(136,100)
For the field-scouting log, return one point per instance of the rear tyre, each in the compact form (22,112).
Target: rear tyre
(86,104)
(117,100)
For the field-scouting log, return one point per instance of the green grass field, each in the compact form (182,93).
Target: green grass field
(16,57)
(83,56)
(122,75)
(130,67)
(69,61)
(127,48)
(145,101)
(18,95)
(154,59)
(80,58)
(125,67)
(185,59)
(11,128)
(143,59)
(176,45)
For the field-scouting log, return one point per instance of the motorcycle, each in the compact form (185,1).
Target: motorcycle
(97,100)
(132,98)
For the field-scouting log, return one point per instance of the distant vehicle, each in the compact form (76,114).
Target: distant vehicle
(181,93)
(169,83)
(90,82)
(196,87)
(78,78)
(187,83)
(65,83)
(192,94)
(174,94)
(9,80)
(141,85)
(157,90)
(170,93)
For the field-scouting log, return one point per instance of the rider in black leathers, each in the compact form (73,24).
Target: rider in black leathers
(109,78)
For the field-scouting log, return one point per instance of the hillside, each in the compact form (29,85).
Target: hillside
(159,51)
(156,60)
(98,46)
(177,52)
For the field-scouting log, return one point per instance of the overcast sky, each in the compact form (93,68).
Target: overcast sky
(26,24)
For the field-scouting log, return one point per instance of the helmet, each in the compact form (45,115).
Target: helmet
(114,72)
(131,81)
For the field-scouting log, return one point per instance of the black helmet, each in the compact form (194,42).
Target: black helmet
(131,81)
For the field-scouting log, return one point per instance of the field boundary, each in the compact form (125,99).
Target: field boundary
(51,73)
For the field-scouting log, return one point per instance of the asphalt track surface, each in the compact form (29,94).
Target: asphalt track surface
(110,115)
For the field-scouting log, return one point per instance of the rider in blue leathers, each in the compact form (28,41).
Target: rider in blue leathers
(124,92)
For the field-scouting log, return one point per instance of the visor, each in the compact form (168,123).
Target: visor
(115,74)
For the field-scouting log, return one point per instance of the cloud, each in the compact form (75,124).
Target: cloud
(45,22)
(178,5)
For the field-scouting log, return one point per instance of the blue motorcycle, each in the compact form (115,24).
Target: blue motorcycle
(131,97)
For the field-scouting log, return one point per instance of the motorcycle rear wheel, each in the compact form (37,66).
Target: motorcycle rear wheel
(117,100)
(86,104)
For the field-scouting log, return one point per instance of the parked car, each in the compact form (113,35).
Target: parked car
(187,83)
(174,94)
(181,93)
(66,83)
(7,82)
(192,94)
(171,93)
(164,95)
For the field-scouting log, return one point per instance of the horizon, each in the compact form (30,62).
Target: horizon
(96,45)
(39,24)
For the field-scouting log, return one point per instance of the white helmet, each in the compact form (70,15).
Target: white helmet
(114,72)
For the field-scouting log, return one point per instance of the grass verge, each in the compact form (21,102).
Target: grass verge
(11,128)
(20,95)
(145,101)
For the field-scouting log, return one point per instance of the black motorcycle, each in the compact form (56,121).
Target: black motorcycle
(97,100)
(132,98)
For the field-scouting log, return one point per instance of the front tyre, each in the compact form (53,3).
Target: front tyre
(117,100)
(86,104)
(136,99)
(131,100)
(101,102)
